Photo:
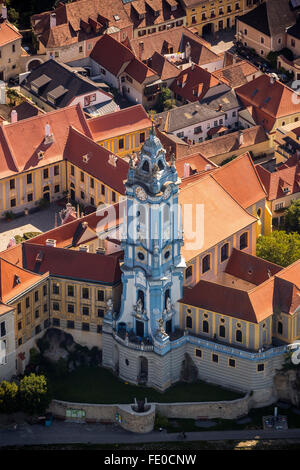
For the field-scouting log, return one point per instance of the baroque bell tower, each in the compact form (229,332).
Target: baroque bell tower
(152,269)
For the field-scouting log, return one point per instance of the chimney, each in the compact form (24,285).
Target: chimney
(208,167)
(141,49)
(272,79)
(241,138)
(4,11)
(50,242)
(186,170)
(102,247)
(13,116)
(192,66)
(84,225)
(52,20)
(48,136)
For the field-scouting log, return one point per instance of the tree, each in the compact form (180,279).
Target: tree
(34,394)
(292,217)
(8,397)
(165,100)
(280,247)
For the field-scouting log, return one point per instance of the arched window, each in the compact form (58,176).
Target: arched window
(206,264)
(189,322)
(239,336)
(141,214)
(244,240)
(279,328)
(222,333)
(145,166)
(189,272)
(224,252)
(160,165)
(205,326)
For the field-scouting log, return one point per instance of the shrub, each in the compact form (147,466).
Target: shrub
(8,397)
(34,394)
(160,421)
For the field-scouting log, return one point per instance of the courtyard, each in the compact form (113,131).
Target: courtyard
(99,386)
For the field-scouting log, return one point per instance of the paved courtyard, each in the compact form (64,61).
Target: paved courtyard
(40,221)
(221,41)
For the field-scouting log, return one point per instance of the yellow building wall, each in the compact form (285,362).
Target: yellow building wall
(112,144)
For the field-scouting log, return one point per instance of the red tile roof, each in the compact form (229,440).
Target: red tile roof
(122,122)
(8,33)
(98,164)
(193,83)
(285,178)
(240,179)
(72,263)
(270,98)
(116,57)
(236,74)
(17,157)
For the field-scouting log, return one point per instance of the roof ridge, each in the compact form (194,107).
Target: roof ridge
(9,148)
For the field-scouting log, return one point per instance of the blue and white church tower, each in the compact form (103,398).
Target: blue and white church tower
(137,340)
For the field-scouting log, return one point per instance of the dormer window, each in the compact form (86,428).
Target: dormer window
(17,279)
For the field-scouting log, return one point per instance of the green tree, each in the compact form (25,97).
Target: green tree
(164,101)
(292,217)
(34,394)
(280,247)
(8,397)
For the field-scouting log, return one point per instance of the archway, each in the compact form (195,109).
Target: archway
(33,64)
(208,29)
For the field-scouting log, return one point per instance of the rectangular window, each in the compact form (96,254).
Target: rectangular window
(29,178)
(82,195)
(55,289)
(19,308)
(121,144)
(45,308)
(99,328)
(27,302)
(85,311)
(13,202)
(231,362)
(100,295)
(56,170)
(12,184)
(198,352)
(142,137)
(82,177)
(70,324)
(260,367)
(92,183)
(44,290)
(102,189)
(37,314)
(29,197)
(56,322)
(56,306)
(3,329)
(72,170)
(71,308)
(85,292)
(224,252)
(215,358)
(56,188)
(20,325)
(85,327)
(113,196)
(46,173)
(92,201)
(100,312)
(36,296)
(70,291)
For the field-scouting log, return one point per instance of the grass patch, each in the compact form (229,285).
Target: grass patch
(98,385)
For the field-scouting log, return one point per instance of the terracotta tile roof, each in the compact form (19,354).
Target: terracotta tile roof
(66,234)
(147,7)
(193,83)
(111,54)
(270,98)
(101,164)
(197,163)
(240,179)
(121,122)
(236,74)
(280,183)
(224,144)
(80,20)
(253,306)
(164,69)
(230,216)
(174,40)
(17,157)
(116,58)
(287,288)
(8,33)
(250,268)
(15,280)
(5,309)
(72,263)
